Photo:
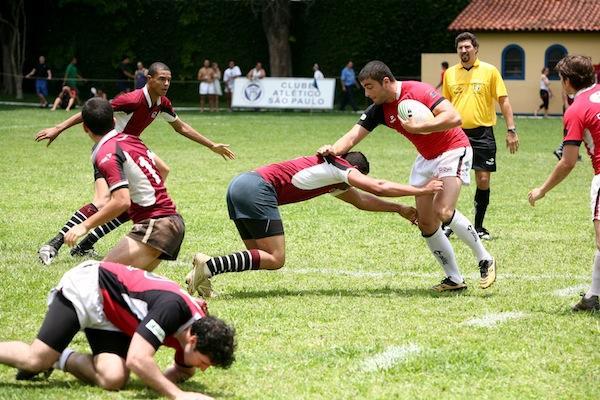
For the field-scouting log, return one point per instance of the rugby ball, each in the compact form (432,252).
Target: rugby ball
(412,108)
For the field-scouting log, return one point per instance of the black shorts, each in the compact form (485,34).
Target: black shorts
(483,143)
(545,96)
(258,228)
(61,325)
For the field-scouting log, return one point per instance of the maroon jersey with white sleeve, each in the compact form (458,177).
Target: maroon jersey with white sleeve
(137,301)
(429,146)
(305,177)
(582,123)
(125,161)
(134,111)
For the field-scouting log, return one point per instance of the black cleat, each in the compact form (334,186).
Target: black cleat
(483,234)
(587,304)
(449,285)
(23,375)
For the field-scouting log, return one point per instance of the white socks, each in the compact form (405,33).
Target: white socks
(441,248)
(62,360)
(595,288)
(466,232)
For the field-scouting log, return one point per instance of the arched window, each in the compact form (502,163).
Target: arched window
(553,55)
(513,62)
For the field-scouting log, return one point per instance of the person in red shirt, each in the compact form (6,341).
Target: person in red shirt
(253,201)
(126,314)
(444,153)
(134,112)
(136,186)
(581,125)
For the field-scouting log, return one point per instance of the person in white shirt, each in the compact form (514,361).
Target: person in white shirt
(318,74)
(545,92)
(229,77)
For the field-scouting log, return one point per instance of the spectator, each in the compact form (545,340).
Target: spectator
(206,88)
(318,74)
(217,83)
(42,75)
(140,77)
(257,72)
(72,76)
(545,92)
(65,99)
(444,68)
(348,82)
(229,77)
(123,75)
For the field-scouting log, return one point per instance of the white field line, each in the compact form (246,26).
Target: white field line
(570,291)
(491,320)
(388,358)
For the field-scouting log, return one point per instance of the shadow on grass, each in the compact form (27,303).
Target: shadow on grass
(374,292)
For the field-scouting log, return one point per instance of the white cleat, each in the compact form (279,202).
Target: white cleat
(197,279)
(47,254)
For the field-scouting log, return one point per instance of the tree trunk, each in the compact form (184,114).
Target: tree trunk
(276,24)
(12,36)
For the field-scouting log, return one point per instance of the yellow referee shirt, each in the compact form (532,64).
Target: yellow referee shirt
(473,92)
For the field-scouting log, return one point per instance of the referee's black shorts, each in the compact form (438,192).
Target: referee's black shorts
(483,143)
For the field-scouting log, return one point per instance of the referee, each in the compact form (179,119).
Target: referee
(472,86)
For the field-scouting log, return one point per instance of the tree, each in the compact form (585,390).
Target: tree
(12,40)
(276,16)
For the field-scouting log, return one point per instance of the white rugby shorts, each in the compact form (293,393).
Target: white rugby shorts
(207,88)
(455,162)
(595,198)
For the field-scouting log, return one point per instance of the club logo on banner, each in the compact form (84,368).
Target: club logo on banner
(296,93)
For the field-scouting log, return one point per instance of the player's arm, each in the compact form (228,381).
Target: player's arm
(562,169)
(345,143)
(49,74)
(190,133)
(177,373)
(29,75)
(445,117)
(52,133)
(140,360)
(119,203)
(368,202)
(512,139)
(381,187)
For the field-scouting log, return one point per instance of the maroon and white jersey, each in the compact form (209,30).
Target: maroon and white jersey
(137,301)
(125,162)
(582,123)
(429,146)
(305,177)
(134,111)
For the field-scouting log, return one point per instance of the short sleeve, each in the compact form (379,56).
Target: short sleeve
(163,320)
(124,103)
(167,111)
(498,87)
(111,167)
(372,117)
(427,95)
(573,127)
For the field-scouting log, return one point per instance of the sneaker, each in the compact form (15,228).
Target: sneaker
(46,254)
(78,251)
(487,268)
(197,279)
(447,231)
(483,234)
(591,304)
(448,284)
(23,375)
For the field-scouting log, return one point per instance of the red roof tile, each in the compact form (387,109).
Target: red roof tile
(529,15)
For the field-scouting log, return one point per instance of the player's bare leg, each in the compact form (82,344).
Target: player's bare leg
(134,253)
(105,370)
(34,358)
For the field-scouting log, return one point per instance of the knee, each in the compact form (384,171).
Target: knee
(444,214)
(112,380)
(278,261)
(37,364)
(428,228)
(483,182)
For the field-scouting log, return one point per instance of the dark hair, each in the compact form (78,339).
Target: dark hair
(359,160)
(466,36)
(216,340)
(445,64)
(578,70)
(157,66)
(97,115)
(375,70)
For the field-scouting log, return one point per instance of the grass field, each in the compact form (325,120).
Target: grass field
(350,315)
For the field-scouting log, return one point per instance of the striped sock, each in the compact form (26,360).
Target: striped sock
(235,262)
(78,217)
(100,231)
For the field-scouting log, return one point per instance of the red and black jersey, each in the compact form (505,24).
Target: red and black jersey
(305,177)
(137,301)
(134,111)
(582,123)
(429,146)
(125,161)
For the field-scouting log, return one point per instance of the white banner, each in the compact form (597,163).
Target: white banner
(302,93)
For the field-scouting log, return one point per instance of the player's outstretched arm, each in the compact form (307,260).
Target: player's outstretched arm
(345,143)
(368,202)
(562,169)
(52,133)
(186,130)
(381,187)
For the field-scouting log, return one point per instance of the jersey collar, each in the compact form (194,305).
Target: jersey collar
(585,90)
(104,139)
(398,89)
(148,99)
(475,64)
